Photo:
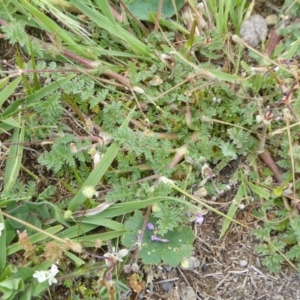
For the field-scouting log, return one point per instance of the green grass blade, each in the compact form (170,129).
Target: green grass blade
(240,195)
(90,240)
(34,239)
(2,246)
(76,230)
(261,192)
(225,76)
(47,90)
(4,81)
(8,91)
(95,175)
(293,49)
(25,80)
(105,8)
(107,223)
(50,26)
(11,122)
(230,213)
(124,208)
(35,75)
(4,128)
(78,261)
(13,163)
(115,30)
(99,171)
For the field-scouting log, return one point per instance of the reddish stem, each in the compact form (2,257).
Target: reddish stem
(268,160)
(273,42)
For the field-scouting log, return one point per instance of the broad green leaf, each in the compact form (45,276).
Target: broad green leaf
(40,209)
(178,247)
(27,294)
(7,272)
(9,286)
(74,296)
(21,212)
(256,81)
(24,272)
(143,8)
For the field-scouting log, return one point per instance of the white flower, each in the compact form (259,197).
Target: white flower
(259,119)
(115,256)
(166,181)
(42,276)
(88,191)
(138,90)
(241,206)
(1,228)
(96,159)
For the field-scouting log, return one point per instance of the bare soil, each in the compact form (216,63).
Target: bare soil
(228,269)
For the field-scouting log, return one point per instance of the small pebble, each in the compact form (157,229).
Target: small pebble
(271,19)
(254,30)
(167,286)
(167,268)
(187,293)
(243,263)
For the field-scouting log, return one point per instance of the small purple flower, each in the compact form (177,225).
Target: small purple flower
(157,239)
(150,226)
(139,241)
(199,218)
(139,238)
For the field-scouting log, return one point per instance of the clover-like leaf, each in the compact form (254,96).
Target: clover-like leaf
(142,8)
(171,249)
